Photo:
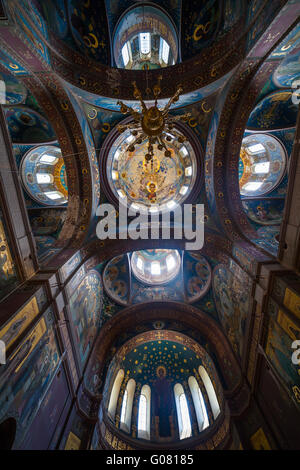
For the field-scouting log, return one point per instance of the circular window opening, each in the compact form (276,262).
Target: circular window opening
(145,38)
(44,176)
(156,186)
(154,267)
(262,164)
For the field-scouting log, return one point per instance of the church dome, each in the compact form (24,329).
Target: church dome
(157,186)
(145,38)
(44,176)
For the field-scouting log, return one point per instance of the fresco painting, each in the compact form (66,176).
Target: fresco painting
(47,221)
(8,273)
(288,71)
(197,274)
(232,291)
(203,22)
(10,332)
(292,302)
(30,369)
(268,238)
(85,309)
(281,334)
(116,279)
(156,294)
(28,126)
(14,91)
(275,111)
(70,265)
(264,211)
(88,27)
(31,36)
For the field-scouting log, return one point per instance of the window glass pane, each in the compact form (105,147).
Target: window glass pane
(186,424)
(43,178)
(145,43)
(155,268)
(125,54)
(142,423)
(48,159)
(54,195)
(204,411)
(165,51)
(256,148)
(124,406)
(262,167)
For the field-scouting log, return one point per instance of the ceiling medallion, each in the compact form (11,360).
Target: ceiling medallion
(153,124)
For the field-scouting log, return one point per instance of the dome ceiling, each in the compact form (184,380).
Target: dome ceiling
(159,184)
(151,275)
(145,355)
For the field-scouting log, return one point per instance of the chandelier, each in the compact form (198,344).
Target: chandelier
(153,124)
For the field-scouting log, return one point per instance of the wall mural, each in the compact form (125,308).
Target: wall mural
(281,333)
(8,271)
(275,111)
(31,36)
(30,368)
(204,22)
(11,331)
(142,293)
(88,25)
(264,211)
(28,126)
(288,71)
(232,293)
(289,45)
(184,100)
(85,309)
(101,121)
(55,13)
(197,275)
(47,221)
(116,279)
(14,91)
(268,238)
(90,147)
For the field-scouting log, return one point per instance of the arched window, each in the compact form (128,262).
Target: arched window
(144,413)
(126,411)
(184,422)
(213,400)
(124,406)
(115,394)
(201,413)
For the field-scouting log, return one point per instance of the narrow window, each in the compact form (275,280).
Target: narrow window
(144,413)
(145,43)
(112,406)
(124,406)
(183,416)
(213,400)
(199,404)
(44,178)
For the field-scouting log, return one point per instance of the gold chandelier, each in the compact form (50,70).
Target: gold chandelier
(152,124)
